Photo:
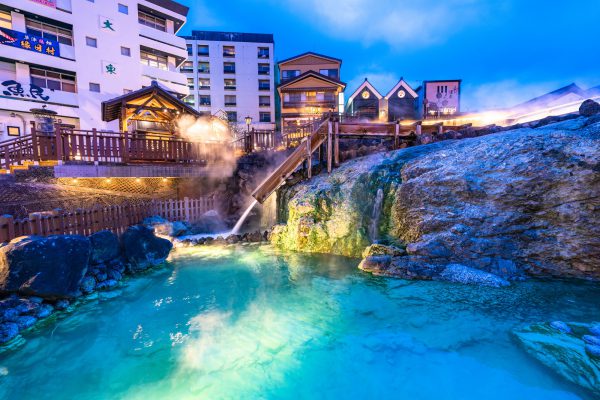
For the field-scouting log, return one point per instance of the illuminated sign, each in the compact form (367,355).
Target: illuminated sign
(12,88)
(49,3)
(29,42)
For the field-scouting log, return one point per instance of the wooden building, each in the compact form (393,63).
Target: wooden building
(309,87)
(366,103)
(402,102)
(150,110)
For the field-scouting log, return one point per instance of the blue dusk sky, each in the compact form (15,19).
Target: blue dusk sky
(505,51)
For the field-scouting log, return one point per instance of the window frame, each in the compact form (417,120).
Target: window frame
(94,40)
(147,58)
(123,8)
(90,84)
(152,21)
(49,31)
(228,54)
(58,77)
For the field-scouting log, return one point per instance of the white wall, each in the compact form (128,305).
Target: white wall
(246,76)
(89,63)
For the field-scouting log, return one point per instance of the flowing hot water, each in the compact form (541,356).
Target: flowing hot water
(238,225)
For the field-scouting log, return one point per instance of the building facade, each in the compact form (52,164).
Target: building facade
(232,74)
(439,99)
(309,87)
(68,56)
(367,103)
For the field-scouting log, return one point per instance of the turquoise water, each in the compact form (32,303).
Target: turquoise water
(254,324)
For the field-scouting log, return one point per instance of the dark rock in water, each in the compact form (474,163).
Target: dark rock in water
(48,267)
(36,299)
(164,227)
(9,314)
(104,247)
(88,285)
(232,239)
(26,306)
(561,326)
(594,340)
(588,108)
(117,265)
(101,276)
(595,329)
(466,275)
(44,311)
(25,321)
(378,264)
(564,353)
(380,249)
(255,237)
(210,222)
(114,274)
(108,284)
(8,331)
(142,249)
(61,304)
(593,350)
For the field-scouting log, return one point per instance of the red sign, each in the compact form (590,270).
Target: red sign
(49,3)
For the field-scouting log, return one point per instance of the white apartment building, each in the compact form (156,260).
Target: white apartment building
(70,55)
(232,73)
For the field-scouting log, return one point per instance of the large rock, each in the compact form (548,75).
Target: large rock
(589,108)
(142,249)
(49,267)
(565,353)
(512,203)
(104,247)
(164,227)
(209,222)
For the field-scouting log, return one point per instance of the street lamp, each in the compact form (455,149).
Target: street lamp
(248,122)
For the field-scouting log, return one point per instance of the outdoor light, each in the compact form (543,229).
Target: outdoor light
(138,180)
(108,180)
(164,179)
(75,180)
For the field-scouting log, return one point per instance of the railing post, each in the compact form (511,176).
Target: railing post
(8,234)
(336,145)
(59,146)
(34,144)
(308,157)
(124,147)
(329,149)
(418,128)
(396,133)
(440,129)
(94,148)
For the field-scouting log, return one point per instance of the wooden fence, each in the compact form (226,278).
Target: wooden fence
(115,218)
(256,140)
(95,146)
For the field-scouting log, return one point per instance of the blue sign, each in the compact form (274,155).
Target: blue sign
(29,42)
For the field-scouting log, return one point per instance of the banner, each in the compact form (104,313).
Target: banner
(49,3)
(29,42)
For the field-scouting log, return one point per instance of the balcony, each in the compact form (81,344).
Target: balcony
(327,104)
(229,69)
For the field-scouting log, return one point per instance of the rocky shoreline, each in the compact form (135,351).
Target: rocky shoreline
(43,275)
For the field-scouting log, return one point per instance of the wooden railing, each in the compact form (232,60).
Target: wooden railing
(256,140)
(69,145)
(115,218)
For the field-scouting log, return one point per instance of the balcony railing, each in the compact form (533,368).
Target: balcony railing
(300,104)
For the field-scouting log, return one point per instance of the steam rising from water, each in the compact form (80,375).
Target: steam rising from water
(215,133)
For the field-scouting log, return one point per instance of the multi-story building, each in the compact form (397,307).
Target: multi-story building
(439,99)
(69,56)
(232,73)
(309,86)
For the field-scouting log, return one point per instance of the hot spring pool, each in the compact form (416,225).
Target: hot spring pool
(255,324)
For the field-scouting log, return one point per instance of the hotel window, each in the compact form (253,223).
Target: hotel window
(123,9)
(332,73)
(230,84)
(94,87)
(203,68)
(264,101)
(264,84)
(265,117)
(53,80)
(204,100)
(92,42)
(187,66)
(203,50)
(230,100)
(289,74)
(232,116)
(263,52)
(229,68)
(5,20)
(125,51)
(189,49)
(228,51)
(203,83)
(264,69)
(190,82)
(154,60)
(152,21)
(47,31)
